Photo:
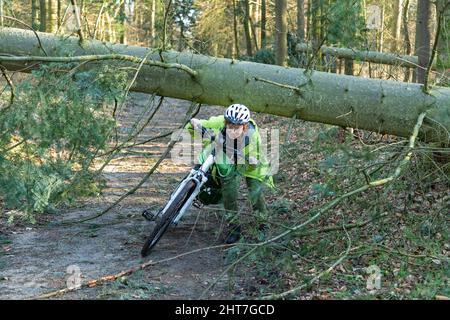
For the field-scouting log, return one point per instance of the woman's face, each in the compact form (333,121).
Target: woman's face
(234,131)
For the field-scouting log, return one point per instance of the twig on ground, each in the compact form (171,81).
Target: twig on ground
(317,277)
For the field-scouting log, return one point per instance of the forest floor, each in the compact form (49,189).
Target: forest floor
(402,228)
(35,258)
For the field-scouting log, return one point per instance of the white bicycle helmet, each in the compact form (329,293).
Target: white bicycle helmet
(237,114)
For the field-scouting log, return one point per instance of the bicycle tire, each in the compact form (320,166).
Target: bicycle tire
(167,218)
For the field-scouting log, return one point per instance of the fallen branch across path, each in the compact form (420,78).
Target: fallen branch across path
(100,57)
(380,106)
(100,281)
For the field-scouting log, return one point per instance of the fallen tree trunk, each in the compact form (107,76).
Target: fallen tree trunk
(372,104)
(361,55)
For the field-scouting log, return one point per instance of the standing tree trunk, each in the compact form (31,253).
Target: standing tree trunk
(42,15)
(407,38)
(181,38)
(59,8)
(52,16)
(397,25)
(254,35)
(235,30)
(122,19)
(102,28)
(99,19)
(263,24)
(248,39)
(315,17)
(443,51)
(111,33)
(444,40)
(423,38)
(308,20)
(34,16)
(348,66)
(153,22)
(255,22)
(300,20)
(281,32)
(1,13)
(77,12)
(381,43)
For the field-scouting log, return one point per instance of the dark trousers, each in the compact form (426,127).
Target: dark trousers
(230,192)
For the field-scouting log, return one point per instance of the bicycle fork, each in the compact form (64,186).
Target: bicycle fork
(199,177)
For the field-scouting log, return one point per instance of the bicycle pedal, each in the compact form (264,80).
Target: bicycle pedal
(149,216)
(198,204)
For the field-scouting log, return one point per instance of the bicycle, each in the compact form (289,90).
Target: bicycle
(180,200)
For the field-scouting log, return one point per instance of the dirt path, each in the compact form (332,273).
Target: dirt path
(35,258)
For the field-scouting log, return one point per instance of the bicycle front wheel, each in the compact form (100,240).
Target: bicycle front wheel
(168,217)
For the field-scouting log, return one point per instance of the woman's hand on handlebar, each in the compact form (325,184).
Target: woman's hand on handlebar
(196,124)
(253,161)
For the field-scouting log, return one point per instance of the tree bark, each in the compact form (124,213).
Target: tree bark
(235,30)
(77,12)
(382,106)
(361,55)
(98,20)
(1,13)
(248,39)
(281,32)
(254,35)
(348,67)
(381,43)
(42,15)
(52,16)
(34,16)
(59,9)
(315,18)
(122,33)
(300,20)
(407,39)
(423,38)
(263,23)
(255,23)
(153,22)
(443,57)
(398,5)
(111,37)
(308,19)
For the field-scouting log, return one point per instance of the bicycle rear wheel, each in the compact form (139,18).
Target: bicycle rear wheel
(168,217)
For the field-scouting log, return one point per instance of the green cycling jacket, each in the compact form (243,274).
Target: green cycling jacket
(251,147)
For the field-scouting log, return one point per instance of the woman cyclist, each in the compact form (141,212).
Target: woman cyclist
(238,154)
